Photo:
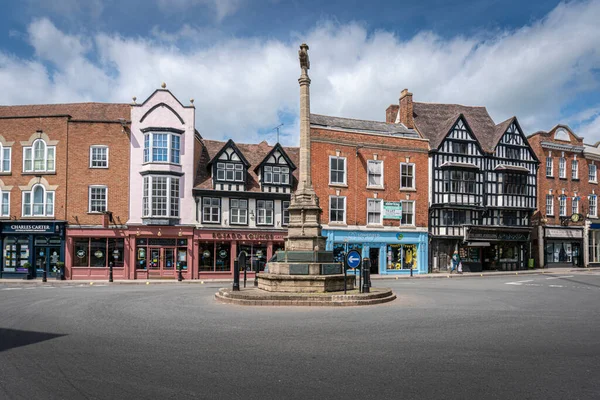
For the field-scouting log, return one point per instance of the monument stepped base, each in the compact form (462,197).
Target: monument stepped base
(304,283)
(258,297)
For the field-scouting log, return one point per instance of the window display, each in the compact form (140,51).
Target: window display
(401,256)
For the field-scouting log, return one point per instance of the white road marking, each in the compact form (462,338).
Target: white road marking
(561,277)
(555,286)
(532,284)
(12,288)
(518,283)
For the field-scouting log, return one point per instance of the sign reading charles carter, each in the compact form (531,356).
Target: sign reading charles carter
(31,227)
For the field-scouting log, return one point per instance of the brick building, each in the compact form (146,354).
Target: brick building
(371,180)
(62,171)
(567,200)
(482,184)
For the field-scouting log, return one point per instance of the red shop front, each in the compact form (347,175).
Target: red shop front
(217,250)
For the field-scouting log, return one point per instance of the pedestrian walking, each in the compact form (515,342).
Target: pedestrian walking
(455,262)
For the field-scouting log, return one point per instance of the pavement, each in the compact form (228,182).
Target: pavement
(501,337)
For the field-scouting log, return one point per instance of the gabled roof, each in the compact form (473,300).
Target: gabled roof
(362,126)
(283,153)
(230,143)
(254,154)
(77,111)
(434,121)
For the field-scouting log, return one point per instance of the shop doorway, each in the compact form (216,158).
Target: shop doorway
(46,259)
(576,254)
(374,257)
(161,262)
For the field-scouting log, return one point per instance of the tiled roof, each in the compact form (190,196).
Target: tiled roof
(254,153)
(78,111)
(362,125)
(434,121)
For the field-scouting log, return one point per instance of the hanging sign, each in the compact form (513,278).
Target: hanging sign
(392,210)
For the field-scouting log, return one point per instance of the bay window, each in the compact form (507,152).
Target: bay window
(162,147)
(160,197)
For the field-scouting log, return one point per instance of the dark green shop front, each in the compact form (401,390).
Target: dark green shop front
(39,243)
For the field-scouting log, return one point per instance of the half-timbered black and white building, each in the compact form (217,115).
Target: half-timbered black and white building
(483,185)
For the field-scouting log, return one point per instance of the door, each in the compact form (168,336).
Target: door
(154,262)
(53,259)
(374,257)
(161,262)
(576,251)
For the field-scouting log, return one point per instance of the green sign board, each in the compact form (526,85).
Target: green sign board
(392,210)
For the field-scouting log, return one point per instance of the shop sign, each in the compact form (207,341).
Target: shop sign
(399,236)
(246,236)
(497,236)
(564,233)
(99,254)
(392,210)
(223,253)
(30,228)
(80,253)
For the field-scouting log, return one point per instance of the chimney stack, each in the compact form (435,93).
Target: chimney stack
(391,113)
(406,109)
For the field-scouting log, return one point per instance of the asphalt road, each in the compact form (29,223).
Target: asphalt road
(511,337)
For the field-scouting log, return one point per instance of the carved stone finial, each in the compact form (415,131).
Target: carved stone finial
(134,99)
(164,85)
(303,56)
(192,101)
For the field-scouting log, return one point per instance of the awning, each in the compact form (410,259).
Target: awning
(479,244)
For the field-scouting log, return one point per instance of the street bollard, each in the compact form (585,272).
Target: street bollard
(256,273)
(366,266)
(236,276)
(44,276)
(245,272)
(179,274)
(411,272)
(110,271)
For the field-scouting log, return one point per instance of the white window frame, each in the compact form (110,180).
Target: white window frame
(345,170)
(549,204)
(380,162)
(562,168)
(148,151)
(263,212)
(562,206)
(413,212)
(282,172)
(173,209)
(90,188)
(239,214)
(92,156)
(575,205)
(4,201)
(3,159)
(285,213)
(593,199)
(414,174)
(593,177)
(235,169)
(343,222)
(31,203)
(575,169)
(380,201)
(549,167)
(211,206)
(45,160)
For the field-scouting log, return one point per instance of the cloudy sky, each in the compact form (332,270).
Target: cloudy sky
(538,60)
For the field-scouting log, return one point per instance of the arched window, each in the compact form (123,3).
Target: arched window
(39,157)
(561,134)
(5,154)
(38,202)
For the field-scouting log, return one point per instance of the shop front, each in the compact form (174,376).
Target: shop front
(158,252)
(496,249)
(91,252)
(594,244)
(39,244)
(390,252)
(563,247)
(218,249)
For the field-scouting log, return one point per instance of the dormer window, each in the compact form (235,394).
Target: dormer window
(162,148)
(230,172)
(276,175)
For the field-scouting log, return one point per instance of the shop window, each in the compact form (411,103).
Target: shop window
(256,256)
(98,157)
(401,256)
(264,212)
(5,158)
(38,202)
(592,173)
(341,249)
(238,212)
(4,203)
(98,252)
(211,210)
(98,199)
(16,254)
(407,176)
(337,170)
(408,213)
(39,157)
(162,147)
(337,209)
(549,166)
(81,252)
(230,172)
(559,252)
(374,173)
(207,256)
(285,210)
(374,211)
(223,257)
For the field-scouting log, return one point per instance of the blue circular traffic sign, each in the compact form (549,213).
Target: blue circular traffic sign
(353,259)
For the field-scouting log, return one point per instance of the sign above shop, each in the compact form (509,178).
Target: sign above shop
(475,234)
(31,227)
(246,236)
(392,210)
(564,233)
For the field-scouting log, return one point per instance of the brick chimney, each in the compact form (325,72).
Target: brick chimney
(391,113)
(406,109)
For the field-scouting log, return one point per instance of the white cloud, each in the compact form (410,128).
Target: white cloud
(222,8)
(242,86)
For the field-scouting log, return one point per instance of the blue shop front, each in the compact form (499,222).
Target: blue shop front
(40,244)
(392,252)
